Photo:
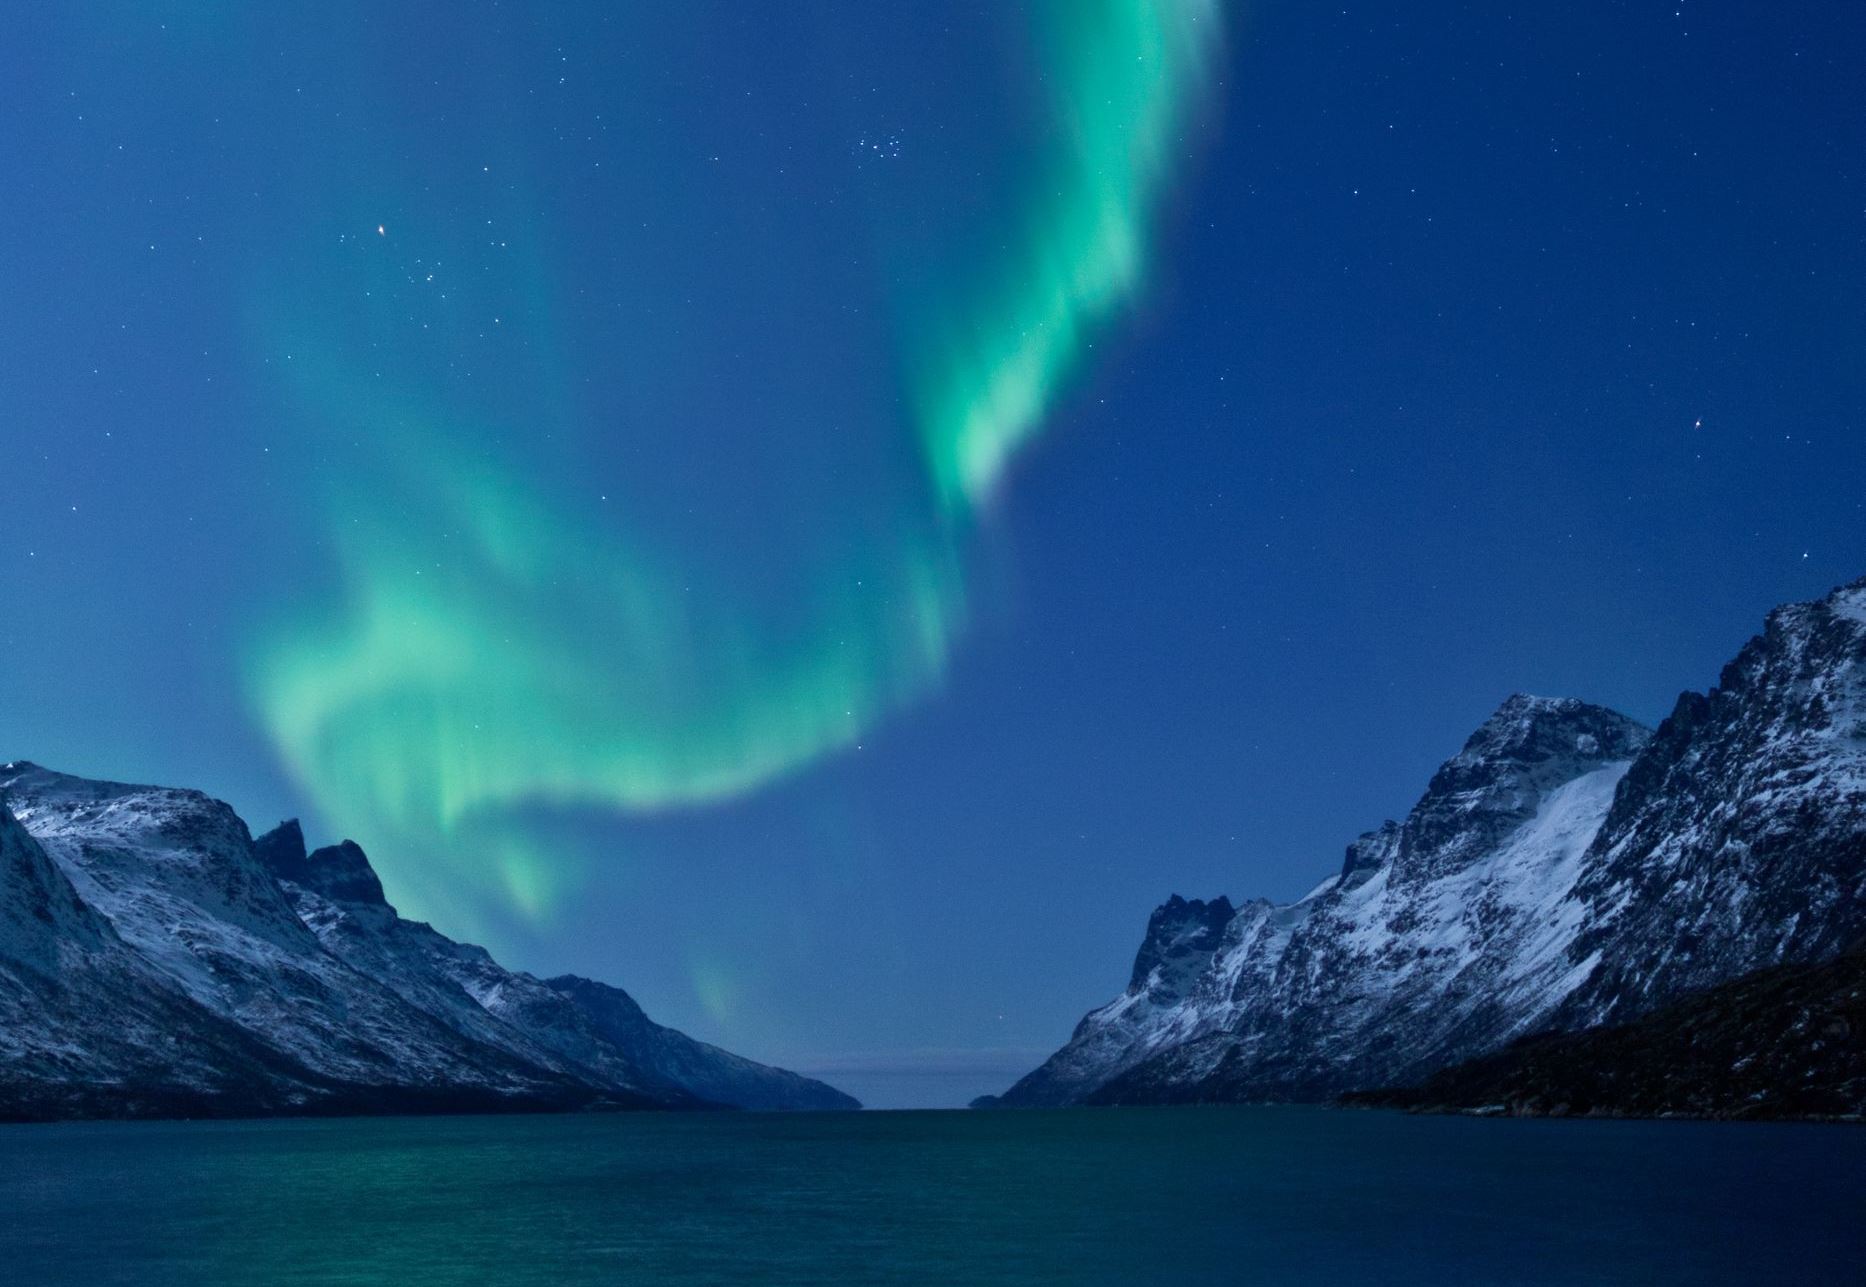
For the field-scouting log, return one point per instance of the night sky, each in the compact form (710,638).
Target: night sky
(823,514)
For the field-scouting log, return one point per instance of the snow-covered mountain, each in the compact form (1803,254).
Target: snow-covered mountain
(87,1027)
(1739,839)
(1566,868)
(579,1028)
(155,959)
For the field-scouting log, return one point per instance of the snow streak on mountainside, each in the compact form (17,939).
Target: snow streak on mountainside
(1435,931)
(1564,869)
(158,960)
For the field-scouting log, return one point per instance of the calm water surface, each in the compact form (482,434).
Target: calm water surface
(1074,1197)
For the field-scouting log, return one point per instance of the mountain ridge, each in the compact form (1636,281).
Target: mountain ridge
(1566,868)
(249,976)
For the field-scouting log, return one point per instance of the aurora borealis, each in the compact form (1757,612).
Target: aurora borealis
(824,514)
(529,655)
(1128,74)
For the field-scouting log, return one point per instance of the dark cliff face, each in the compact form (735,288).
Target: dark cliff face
(40,912)
(1739,839)
(282,849)
(340,872)
(1181,937)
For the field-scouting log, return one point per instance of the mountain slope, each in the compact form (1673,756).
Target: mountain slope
(1785,1041)
(1182,937)
(1438,932)
(175,875)
(668,1057)
(155,960)
(1739,840)
(581,1029)
(1565,869)
(87,1029)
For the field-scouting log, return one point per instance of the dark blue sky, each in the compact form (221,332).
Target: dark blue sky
(1474,352)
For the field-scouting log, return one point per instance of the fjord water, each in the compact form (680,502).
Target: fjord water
(1181,1196)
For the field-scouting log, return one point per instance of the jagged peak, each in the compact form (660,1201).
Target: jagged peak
(1177,904)
(1534,703)
(1527,730)
(1524,714)
(1371,850)
(343,873)
(1181,928)
(1527,748)
(284,845)
(339,872)
(577,985)
(1796,636)
(1848,601)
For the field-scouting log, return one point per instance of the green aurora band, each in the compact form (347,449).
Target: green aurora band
(493,652)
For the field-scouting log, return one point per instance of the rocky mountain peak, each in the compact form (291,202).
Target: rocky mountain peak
(1804,642)
(136,853)
(1181,936)
(1529,732)
(1752,796)
(339,872)
(1529,747)
(282,848)
(342,873)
